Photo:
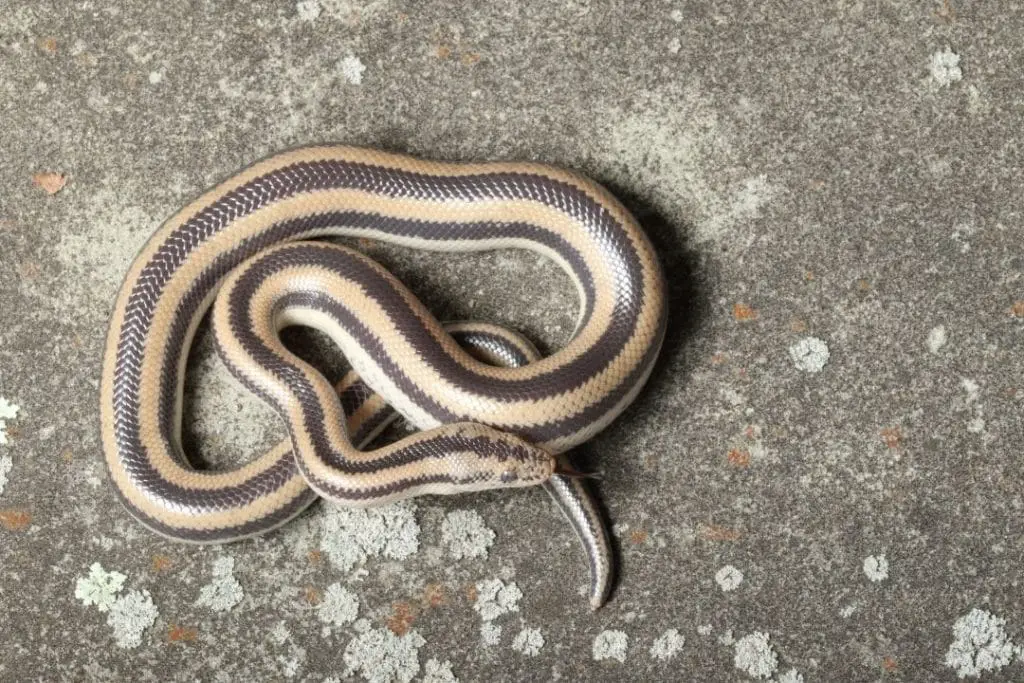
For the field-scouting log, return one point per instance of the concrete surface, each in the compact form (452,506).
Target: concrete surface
(845,172)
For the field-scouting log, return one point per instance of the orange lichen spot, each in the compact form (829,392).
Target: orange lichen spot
(13,432)
(863,285)
(29,270)
(816,184)
(891,436)
(161,563)
(946,13)
(889,664)
(809,275)
(401,619)
(403,17)
(712,532)
(51,183)
(1017,309)
(48,45)
(637,536)
(719,358)
(444,51)
(181,634)
(738,457)
(471,593)
(67,455)
(15,519)
(315,557)
(312,595)
(470,58)
(744,312)
(797,325)
(752,432)
(433,595)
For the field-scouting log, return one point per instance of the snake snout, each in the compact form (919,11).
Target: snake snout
(531,466)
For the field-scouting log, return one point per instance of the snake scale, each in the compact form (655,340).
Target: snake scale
(491,412)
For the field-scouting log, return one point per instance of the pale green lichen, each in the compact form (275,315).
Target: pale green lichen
(8,411)
(809,354)
(490,634)
(980,644)
(610,644)
(351,535)
(224,591)
(529,642)
(340,606)
(466,534)
(352,69)
(438,672)
(755,656)
(130,616)
(5,468)
(382,657)
(494,598)
(100,587)
(945,67)
(667,645)
(728,578)
(876,568)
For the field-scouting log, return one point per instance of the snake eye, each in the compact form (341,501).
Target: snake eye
(509,476)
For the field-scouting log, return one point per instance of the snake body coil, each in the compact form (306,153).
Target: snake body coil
(493,413)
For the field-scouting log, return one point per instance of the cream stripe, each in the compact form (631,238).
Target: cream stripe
(314,203)
(512,462)
(477,406)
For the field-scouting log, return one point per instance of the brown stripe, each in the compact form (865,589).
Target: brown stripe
(136,308)
(303,177)
(349,266)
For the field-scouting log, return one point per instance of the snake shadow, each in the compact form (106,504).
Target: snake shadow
(688,308)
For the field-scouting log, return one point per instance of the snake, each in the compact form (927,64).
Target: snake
(258,253)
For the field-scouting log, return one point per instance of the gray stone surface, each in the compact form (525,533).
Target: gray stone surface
(806,170)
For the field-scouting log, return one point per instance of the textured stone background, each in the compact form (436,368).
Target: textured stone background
(804,171)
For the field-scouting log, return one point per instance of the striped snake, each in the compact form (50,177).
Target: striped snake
(492,412)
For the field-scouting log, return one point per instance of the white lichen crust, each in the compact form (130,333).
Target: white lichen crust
(980,644)
(382,657)
(755,656)
(529,642)
(100,587)
(667,645)
(340,606)
(130,616)
(610,644)
(224,591)
(494,598)
(466,534)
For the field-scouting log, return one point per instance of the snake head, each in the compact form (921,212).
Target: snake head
(491,459)
(534,466)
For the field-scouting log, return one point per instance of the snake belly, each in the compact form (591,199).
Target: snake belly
(484,426)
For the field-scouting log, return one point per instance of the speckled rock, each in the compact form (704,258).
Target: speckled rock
(843,172)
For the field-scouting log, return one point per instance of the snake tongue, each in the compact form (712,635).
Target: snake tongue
(567,470)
